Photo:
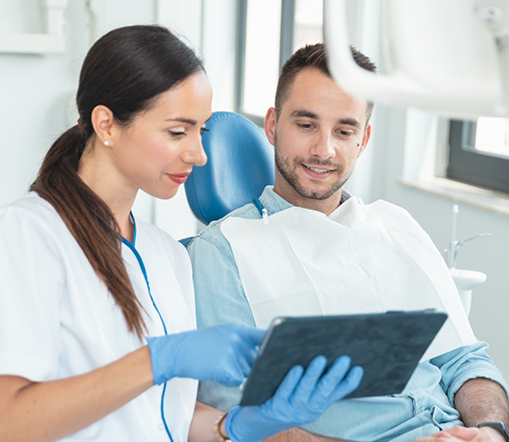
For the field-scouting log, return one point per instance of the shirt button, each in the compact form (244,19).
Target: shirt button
(161,427)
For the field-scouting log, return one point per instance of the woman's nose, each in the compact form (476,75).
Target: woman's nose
(196,154)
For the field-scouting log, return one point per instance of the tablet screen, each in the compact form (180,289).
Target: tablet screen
(388,346)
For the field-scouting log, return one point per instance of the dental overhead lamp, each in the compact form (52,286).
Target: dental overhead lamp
(445,56)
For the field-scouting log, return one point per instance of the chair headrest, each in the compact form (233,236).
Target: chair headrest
(240,164)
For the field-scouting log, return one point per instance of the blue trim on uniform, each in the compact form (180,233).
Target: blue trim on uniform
(135,229)
(144,271)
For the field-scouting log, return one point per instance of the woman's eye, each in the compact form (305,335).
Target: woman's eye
(177,134)
(203,130)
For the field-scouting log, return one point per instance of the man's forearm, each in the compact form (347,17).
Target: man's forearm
(481,400)
(300,435)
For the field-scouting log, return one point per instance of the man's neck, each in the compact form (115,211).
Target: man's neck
(326,206)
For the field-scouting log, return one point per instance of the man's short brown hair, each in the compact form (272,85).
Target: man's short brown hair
(313,56)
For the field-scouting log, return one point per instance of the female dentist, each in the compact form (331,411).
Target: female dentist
(97,339)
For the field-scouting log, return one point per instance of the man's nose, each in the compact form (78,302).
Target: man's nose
(323,146)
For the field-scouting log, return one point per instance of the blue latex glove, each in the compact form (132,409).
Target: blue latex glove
(299,400)
(224,354)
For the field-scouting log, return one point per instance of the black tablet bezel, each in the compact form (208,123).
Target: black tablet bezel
(388,346)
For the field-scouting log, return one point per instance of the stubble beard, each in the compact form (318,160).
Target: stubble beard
(289,173)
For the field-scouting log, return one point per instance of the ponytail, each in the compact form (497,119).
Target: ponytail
(90,221)
(124,71)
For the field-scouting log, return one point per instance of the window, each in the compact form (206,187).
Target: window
(479,153)
(292,23)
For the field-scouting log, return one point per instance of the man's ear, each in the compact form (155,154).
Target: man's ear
(365,139)
(103,122)
(270,124)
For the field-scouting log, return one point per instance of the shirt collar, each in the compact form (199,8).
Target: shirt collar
(274,203)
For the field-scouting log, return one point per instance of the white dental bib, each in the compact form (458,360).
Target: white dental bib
(361,259)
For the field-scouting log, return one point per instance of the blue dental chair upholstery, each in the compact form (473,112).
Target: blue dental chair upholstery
(240,164)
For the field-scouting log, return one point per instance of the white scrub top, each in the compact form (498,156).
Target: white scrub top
(57,318)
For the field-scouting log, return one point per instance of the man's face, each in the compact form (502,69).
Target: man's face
(319,135)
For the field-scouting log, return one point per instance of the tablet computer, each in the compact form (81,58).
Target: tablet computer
(388,346)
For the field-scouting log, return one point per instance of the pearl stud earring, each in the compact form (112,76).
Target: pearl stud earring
(106,143)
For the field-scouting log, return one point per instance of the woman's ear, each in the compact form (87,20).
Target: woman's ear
(102,122)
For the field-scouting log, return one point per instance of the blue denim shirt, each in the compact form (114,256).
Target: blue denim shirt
(424,407)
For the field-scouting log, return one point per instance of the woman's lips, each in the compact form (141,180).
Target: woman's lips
(179,178)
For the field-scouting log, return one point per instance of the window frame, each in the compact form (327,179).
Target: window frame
(489,171)
(285,50)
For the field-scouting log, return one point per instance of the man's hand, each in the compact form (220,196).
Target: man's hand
(454,434)
(488,434)
(462,434)
(299,435)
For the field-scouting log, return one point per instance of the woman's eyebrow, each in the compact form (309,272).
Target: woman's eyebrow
(184,120)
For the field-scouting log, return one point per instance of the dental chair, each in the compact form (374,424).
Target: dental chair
(240,164)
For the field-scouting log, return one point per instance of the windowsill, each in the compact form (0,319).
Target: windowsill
(490,200)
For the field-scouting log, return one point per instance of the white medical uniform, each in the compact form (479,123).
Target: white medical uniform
(57,318)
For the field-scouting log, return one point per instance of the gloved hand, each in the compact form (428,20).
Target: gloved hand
(300,399)
(224,354)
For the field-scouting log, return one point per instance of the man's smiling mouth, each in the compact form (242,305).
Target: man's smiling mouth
(314,169)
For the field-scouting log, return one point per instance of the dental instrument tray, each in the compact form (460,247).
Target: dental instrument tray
(388,346)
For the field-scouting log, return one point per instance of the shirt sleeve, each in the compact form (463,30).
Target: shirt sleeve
(220,299)
(31,278)
(464,363)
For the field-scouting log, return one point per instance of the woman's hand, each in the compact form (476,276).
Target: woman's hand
(301,398)
(224,354)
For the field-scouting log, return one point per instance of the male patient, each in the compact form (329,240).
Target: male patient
(338,256)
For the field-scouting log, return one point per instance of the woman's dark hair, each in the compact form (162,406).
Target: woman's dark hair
(125,70)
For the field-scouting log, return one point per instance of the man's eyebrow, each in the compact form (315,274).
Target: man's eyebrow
(308,114)
(304,113)
(184,120)
(350,122)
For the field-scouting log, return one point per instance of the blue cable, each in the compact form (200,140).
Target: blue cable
(258,205)
(144,271)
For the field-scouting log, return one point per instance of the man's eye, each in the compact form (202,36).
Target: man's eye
(304,125)
(345,134)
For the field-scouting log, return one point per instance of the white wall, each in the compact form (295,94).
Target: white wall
(394,140)
(35,91)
